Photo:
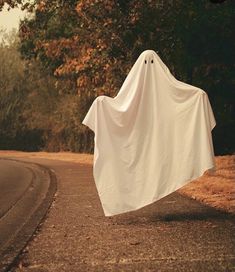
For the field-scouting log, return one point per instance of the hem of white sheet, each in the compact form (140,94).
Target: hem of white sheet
(210,168)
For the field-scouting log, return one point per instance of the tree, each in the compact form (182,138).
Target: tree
(13,94)
(92,44)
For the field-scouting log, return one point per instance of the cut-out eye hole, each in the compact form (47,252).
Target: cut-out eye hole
(145,61)
(151,61)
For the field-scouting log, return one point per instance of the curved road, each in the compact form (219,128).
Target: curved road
(14,181)
(175,233)
(26,191)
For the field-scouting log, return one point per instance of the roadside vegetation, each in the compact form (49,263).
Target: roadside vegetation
(69,52)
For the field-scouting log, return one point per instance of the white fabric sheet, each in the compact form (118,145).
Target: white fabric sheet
(151,139)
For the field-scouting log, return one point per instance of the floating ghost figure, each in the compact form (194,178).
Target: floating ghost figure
(151,139)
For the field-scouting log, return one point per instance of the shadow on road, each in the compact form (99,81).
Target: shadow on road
(170,210)
(186,216)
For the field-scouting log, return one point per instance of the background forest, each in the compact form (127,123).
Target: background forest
(69,52)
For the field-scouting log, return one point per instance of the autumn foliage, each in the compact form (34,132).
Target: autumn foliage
(88,47)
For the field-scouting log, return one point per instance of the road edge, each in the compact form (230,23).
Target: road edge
(16,248)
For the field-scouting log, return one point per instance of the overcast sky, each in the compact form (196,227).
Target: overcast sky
(10,19)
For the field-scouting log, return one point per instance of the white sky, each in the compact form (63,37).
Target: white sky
(11,19)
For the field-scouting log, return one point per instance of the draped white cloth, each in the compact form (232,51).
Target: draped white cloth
(151,139)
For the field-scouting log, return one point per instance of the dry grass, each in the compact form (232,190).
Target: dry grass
(216,190)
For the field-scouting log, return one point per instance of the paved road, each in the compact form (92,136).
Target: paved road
(173,234)
(14,181)
(25,195)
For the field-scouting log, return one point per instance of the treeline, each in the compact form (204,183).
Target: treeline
(71,51)
(36,110)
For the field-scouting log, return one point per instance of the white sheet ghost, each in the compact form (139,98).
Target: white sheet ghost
(151,139)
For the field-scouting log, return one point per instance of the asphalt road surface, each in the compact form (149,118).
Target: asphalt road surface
(175,233)
(25,196)
(14,181)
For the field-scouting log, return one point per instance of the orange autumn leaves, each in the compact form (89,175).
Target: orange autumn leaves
(94,52)
(84,55)
(85,4)
(56,48)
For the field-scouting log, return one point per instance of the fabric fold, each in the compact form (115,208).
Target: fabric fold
(151,139)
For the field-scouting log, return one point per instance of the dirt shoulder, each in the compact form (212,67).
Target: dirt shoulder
(216,190)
